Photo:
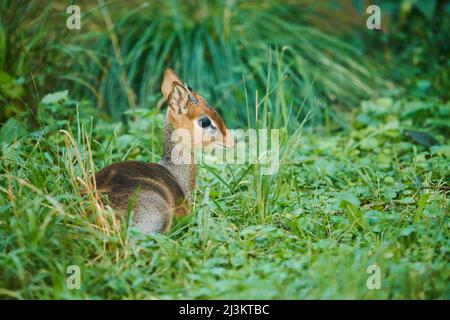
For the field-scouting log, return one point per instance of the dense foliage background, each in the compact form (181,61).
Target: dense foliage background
(364,116)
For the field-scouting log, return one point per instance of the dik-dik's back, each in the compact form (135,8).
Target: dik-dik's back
(156,192)
(150,187)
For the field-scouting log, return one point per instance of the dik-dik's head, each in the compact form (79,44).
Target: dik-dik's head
(189,111)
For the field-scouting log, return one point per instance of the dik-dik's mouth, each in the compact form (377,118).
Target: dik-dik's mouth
(226,143)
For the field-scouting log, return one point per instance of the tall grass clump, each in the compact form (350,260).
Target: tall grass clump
(30,61)
(51,215)
(218,45)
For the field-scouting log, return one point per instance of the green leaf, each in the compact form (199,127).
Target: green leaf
(407,231)
(421,138)
(426,7)
(349,197)
(407,200)
(11,131)
(355,216)
(55,97)
(9,87)
(421,205)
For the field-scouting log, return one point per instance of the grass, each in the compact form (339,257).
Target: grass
(216,44)
(340,204)
(353,190)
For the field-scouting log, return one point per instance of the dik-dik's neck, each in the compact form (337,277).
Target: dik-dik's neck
(182,169)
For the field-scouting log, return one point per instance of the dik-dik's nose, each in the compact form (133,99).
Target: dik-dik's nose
(229,140)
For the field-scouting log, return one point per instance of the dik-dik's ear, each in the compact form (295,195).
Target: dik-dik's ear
(175,93)
(178,98)
(168,80)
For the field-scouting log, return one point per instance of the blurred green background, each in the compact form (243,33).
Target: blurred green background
(320,53)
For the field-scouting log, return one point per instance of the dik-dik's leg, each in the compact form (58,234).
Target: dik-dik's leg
(152,214)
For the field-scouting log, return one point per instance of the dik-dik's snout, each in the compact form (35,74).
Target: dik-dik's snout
(227,141)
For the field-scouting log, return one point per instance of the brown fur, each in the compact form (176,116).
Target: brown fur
(161,190)
(120,180)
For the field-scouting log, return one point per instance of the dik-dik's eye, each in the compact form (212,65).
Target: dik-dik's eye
(204,122)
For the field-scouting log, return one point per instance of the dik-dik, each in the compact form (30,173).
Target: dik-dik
(161,191)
